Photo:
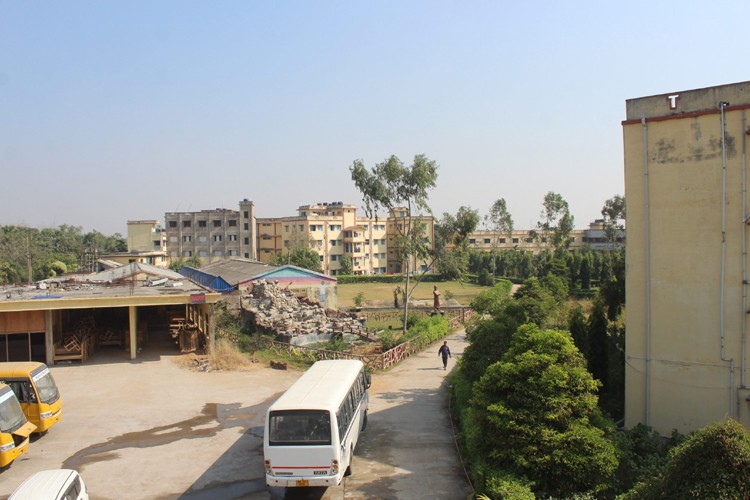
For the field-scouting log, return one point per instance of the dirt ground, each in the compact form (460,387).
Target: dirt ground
(152,428)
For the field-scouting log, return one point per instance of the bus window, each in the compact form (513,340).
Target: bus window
(11,416)
(299,427)
(46,386)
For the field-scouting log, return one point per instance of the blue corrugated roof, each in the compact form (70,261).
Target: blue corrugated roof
(212,281)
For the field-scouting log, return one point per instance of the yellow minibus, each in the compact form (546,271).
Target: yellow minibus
(36,391)
(14,428)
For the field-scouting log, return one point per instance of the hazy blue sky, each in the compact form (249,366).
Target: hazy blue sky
(111,111)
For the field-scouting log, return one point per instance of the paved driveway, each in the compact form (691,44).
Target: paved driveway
(152,429)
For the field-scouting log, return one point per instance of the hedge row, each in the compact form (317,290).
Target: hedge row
(385,278)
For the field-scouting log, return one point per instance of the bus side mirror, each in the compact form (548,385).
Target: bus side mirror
(368,381)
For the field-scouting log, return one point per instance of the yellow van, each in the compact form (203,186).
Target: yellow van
(36,391)
(14,428)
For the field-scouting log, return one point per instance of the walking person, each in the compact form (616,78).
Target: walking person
(445,352)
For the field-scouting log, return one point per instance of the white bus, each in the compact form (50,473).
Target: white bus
(312,429)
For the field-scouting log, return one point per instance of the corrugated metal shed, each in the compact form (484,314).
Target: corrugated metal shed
(293,275)
(211,281)
(236,270)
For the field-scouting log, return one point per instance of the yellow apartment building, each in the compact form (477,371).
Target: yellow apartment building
(147,244)
(687,283)
(334,230)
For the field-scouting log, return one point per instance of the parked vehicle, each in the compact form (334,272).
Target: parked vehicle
(36,391)
(14,428)
(312,429)
(56,484)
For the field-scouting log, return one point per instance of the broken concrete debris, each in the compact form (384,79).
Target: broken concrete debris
(276,310)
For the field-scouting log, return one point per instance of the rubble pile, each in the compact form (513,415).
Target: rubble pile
(277,311)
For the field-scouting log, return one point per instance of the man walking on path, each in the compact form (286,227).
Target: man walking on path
(445,352)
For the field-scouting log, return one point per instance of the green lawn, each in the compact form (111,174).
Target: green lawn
(383,292)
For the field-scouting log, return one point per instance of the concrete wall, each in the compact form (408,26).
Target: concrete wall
(685,348)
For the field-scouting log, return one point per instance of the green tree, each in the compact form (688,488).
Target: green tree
(579,329)
(712,463)
(391,185)
(499,220)
(451,242)
(613,212)
(556,222)
(598,344)
(585,273)
(490,338)
(345,265)
(536,301)
(301,257)
(537,415)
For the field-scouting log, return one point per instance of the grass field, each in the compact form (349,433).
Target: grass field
(376,293)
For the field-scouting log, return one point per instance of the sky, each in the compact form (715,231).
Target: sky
(117,111)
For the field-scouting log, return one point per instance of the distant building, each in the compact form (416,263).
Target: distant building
(521,239)
(335,231)
(687,260)
(212,235)
(147,244)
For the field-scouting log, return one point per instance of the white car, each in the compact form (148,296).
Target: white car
(57,484)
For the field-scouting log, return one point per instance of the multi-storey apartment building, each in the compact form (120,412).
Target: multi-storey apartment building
(147,244)
(334,231)
(399,223)
(594,237)
(687,283)
(212,235)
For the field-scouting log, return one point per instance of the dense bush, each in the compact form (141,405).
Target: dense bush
(712,463)
(535,416)
(487,300)
(643,455)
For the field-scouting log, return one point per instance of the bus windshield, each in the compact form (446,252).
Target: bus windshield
(46,386)
(299,427)
(11,415)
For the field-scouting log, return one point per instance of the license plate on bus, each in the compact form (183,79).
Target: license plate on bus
(302,482)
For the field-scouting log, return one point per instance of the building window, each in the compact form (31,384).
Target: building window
(187,239)
(247,241)
(246,214)
(321,258)
(487,240)
(301,227)
(173,223)
(217,223)
(233,253)
(347,234)
(203,253)
(501,240)
(217,238)
(334,258)
(173,239)
(186,223)
(232,223)
(472,241)
(247,226)
(515,240)
(232,237)
(187,253)
(333,243)
(218,253)
(157,244)
(201,223)
(203,239)
(247,255)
